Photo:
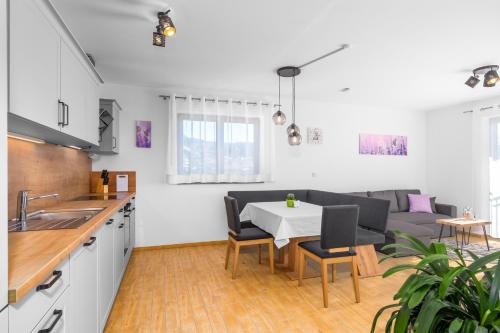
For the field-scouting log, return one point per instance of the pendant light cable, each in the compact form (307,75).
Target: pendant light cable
(279,92)
(293,99)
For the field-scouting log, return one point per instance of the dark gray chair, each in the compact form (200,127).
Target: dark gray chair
(339,226)
(239,236)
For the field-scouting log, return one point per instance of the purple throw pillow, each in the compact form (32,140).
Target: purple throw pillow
(420,203)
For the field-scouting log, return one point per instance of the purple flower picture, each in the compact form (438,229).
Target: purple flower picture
(143,134)
(374,144)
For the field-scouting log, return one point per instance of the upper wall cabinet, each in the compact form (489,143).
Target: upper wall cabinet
(52,82)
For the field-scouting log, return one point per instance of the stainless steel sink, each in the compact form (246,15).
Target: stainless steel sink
(51,220)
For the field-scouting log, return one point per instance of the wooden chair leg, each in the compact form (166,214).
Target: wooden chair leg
(228,249)
(259,251)
(324,282)
(302,263)
(334,272)
(355,278)
(271,256)
(236,257)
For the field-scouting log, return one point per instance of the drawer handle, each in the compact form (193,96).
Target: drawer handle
(121,210)
(109,222)
(92,241)
(120,226)
(58,314)
(126,215)
(57,275)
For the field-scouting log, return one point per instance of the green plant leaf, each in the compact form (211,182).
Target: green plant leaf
(417,297)
(495,289)
(480,329)
(481,262)
(484,269)
(379,313)
(455,325)
(432,258)
(403,267)
(401,324)
(428,313)
(417,244)
(469,326)
(448,279)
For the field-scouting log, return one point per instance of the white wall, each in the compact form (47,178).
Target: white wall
(458,153)
(168,214)
(3,155)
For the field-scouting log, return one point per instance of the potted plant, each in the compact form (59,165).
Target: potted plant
(290,200)
(444,294)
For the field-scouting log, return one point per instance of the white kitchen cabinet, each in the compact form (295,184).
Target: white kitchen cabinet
(34,65)
(106,268)
(4,320)
(57,319)
(118,256)
(52,82)
(84,288)
(73,87)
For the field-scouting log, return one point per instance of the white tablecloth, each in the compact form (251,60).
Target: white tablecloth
(283,222)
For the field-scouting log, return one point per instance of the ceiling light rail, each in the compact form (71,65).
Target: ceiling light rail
(341,48)
(198,99)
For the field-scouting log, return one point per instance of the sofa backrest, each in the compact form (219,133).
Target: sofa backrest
(373,212)
(245,197)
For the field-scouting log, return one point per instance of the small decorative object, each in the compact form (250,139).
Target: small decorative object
(143,134)
(468,215)
(314,136)
(374,144)
(290,200)
(103,182)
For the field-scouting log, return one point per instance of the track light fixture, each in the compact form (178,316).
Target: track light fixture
(165,28)
(490,76)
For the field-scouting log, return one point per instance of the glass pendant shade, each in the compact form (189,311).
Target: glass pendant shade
(279,118)
(294,139)
(293,128)
(491,78)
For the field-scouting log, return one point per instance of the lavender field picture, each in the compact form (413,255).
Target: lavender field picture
(143,134)
(374,144)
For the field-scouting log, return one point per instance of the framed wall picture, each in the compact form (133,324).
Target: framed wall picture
(375,144)
(314,135)
(143,134)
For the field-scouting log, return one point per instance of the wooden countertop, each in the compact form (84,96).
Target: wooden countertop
(33,255)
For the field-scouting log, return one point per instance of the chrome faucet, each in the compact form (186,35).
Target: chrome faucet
(22,205)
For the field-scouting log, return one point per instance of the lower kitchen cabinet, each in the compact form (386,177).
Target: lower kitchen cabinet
(106,267)
(119,247)
(4,320)
(84,288)
(57,319)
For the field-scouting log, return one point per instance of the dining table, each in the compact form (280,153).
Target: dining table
(291,226)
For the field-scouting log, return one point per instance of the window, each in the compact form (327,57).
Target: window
(219,143)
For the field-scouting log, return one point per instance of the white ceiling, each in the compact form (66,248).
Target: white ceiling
(404,54)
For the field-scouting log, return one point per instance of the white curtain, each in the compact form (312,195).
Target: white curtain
(212,140)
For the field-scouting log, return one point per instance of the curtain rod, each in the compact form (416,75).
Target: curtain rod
(164,97)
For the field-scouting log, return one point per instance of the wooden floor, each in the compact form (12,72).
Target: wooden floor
(188,290)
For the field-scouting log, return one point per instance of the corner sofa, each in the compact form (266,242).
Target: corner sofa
(381,212)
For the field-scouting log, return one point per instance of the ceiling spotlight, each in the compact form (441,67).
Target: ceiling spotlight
(158,38)
(490,76)
(167,26)
(472,81)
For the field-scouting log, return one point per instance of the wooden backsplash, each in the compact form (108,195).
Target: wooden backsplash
(44,169)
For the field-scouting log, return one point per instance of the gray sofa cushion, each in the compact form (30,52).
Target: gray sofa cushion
(372,212)
(366,237)
(358,194)
(403,202)
(418,231)
(245,197)
(417,218)
(389,195)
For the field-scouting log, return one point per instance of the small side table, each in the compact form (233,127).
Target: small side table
(463,223)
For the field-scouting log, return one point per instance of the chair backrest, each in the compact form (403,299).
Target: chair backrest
(339,225)
(233,214)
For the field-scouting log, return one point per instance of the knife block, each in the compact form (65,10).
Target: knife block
(100,186)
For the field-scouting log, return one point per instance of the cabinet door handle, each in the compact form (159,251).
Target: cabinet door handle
(90,242)
(58,314)
(109,222)
(114,142)
(121,210)
(59,113)
(57,275)
(120,226)
(66,118)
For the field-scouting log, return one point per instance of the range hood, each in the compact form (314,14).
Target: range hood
(19,125)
